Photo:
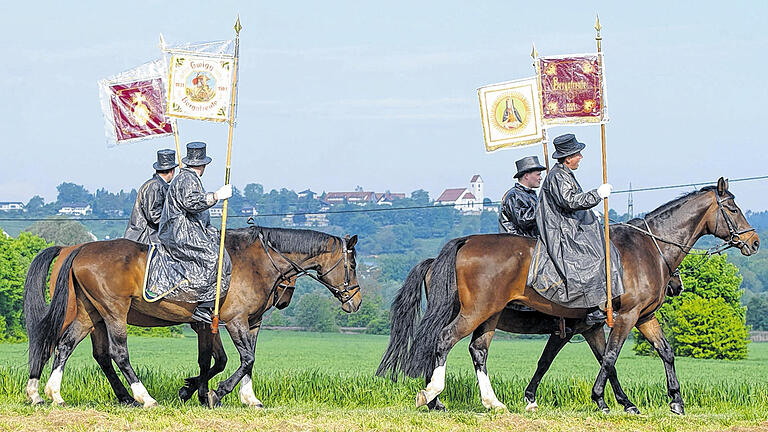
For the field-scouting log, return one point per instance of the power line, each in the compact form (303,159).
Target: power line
(386,209)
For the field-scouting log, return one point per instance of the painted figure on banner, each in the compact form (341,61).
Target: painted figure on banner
(150,200)
(518,207)
(568,266)
(137,109)
(187,234)
(198,88)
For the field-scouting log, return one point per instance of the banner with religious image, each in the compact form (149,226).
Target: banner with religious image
(572,89)
(511,114)
(200,81)
(133,104)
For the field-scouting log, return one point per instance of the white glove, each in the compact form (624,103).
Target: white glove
(604,190)
(224,192)
(597,213)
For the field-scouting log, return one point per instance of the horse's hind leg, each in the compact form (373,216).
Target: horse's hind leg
(458,329)
(100,343)
(118,350)
(72,336)
(652,331)
(553,347)
(595,337)
(478,349)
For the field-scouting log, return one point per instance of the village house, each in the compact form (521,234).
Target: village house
(11,206)
(76,209)
(468,200)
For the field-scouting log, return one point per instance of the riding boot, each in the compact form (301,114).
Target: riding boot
(204,312)
(595,316)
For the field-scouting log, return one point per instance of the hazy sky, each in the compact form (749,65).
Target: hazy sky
(383,94)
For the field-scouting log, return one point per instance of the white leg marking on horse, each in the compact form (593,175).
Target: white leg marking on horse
(53,386)
(532,406)
(142,396)
(436,383)
(246,393)
(487,394)
(32,391)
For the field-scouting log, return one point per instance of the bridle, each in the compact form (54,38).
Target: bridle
(734,239)
(344,295)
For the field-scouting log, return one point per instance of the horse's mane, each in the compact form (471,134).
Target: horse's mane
(666,209)
(283,239)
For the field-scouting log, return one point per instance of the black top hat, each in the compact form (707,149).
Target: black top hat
(528,164)
(166,159)
(566,145)
(196,154)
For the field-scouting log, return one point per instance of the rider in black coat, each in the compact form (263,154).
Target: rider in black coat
(145,216)
(518,208)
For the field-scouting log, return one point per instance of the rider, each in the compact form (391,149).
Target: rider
(186,231)
(150,199)
(518,208)
(572,234)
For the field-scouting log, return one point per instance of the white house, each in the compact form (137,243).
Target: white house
(76,209)
(11,205)
(468,200)
(217,210)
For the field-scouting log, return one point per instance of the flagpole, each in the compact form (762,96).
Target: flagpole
(535,55)
(215,320)
(609,303)
(174,123)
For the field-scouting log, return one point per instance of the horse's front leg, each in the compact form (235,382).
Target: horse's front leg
(478,349)
(245,342)
(247,397)
(621,328)
(652,331)
(555,343)
(595,338)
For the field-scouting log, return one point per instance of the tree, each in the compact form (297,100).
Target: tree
(707,319)
(35,205)
(15,258)
(70,193)
(757,312)
(61,231)
(316,313)
(420,197)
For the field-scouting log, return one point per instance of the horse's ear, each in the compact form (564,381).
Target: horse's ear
(351,242)
(722,186)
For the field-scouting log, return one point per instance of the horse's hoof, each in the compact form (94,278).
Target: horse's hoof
(605,410)
(213,399)
(437,406)
(257,405)
(150,404)
(185,393)
(677,408)
(532,406)
(60,403)
(632,410)
(203,399)
(421,398)
(130,403)
(36,401)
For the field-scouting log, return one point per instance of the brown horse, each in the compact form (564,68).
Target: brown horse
(513,320)
(475,277)
(103,280)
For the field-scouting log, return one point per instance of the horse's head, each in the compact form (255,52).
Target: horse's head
(726,221)
(337,271)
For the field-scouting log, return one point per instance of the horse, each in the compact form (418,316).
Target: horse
(475,277)
(513,320)
(98,287)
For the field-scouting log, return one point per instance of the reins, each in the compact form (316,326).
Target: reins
(344,295)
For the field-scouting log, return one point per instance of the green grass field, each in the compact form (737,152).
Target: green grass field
(310,381)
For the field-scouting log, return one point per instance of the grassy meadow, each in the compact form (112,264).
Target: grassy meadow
(311,381)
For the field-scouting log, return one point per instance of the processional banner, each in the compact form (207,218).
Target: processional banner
(572,89)
(511,114)
(133,104)
(200,81)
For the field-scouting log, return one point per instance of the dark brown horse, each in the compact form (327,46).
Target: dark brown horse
(475,277)
(99,288)
(513,320)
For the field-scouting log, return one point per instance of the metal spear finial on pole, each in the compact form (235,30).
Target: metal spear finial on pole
(215,320)
(609,302)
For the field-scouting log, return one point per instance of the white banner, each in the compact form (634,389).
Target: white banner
(511,114)
(200,86)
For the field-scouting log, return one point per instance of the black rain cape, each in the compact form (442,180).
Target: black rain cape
(568,265)
(187,262)
(147,209)
(518,212)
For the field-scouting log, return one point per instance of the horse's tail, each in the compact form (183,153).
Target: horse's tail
(43,331)
(403,315)
(442,308)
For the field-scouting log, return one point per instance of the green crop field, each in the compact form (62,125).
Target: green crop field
(310,381)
